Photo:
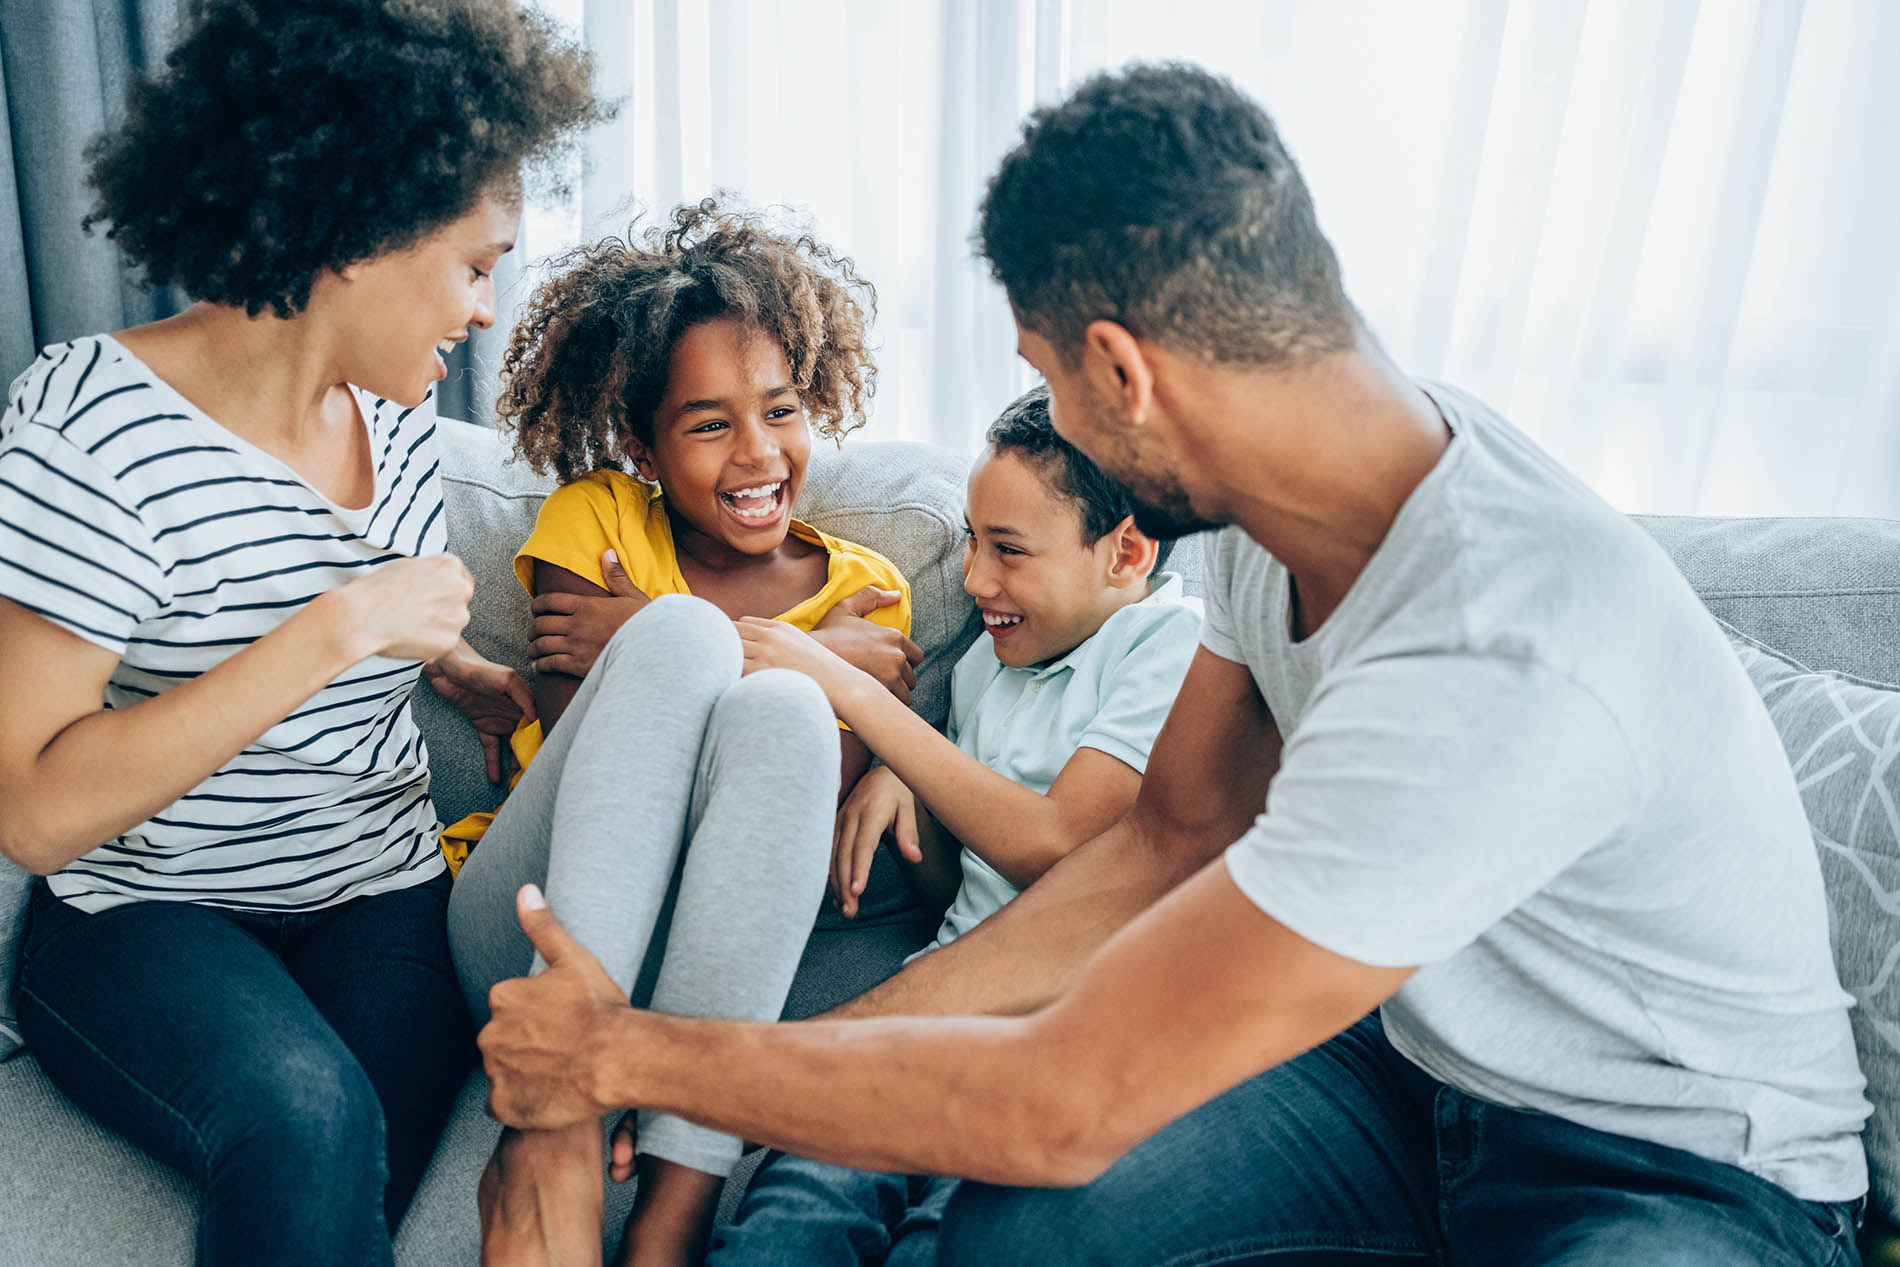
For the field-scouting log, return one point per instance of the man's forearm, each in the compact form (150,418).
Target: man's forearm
(992,1111)
(1050,1099)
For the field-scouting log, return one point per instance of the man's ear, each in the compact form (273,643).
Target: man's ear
(1132,554)
(1117,368)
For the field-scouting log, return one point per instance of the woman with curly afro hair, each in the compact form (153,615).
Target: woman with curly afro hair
(674,382)
(223,573)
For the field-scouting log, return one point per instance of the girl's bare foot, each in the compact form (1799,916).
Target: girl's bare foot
(541,1200)
(672,1215)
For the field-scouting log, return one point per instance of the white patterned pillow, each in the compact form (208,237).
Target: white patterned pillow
(1843,740)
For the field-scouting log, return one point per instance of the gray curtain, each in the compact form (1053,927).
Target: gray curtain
(64,69)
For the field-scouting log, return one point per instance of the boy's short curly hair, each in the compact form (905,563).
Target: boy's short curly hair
(587,365)
(286,138)
(1026,429)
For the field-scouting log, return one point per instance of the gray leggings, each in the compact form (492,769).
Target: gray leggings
(666,750)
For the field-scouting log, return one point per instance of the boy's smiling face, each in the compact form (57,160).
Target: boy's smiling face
(1042,589)
(730,438)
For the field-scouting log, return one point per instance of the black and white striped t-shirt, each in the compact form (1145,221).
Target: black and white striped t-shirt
(130,518)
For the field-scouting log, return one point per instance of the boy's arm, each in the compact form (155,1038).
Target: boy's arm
(853,760)
(1206,781)
(859,630)
(1019,832)
(934,873)
(882,806)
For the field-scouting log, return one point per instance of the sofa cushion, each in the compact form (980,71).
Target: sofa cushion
(1823,590)
(1842,735)
(77,1195)
(14,884)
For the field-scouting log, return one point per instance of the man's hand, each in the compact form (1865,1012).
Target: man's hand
(880,803)
(492,696)
(879,650)
(571,630)
(542,1028)
(773,644)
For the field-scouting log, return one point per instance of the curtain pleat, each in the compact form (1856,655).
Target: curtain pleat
(1660,235)
(65,66)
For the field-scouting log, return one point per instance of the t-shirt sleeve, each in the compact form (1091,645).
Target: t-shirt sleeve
(1423,798)
(1217,626)
(1138,691)
(73,547)
(862,567)
(577,523)
(897,615)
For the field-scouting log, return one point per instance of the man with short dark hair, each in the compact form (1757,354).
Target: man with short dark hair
(1526,959)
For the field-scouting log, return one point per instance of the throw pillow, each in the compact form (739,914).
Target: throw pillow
(1843,740)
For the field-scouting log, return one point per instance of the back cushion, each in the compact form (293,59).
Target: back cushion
(1843,740)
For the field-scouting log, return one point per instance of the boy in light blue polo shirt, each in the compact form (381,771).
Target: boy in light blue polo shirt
(1052,717)
(1027,722)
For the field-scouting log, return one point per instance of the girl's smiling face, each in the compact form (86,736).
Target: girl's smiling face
(730,440)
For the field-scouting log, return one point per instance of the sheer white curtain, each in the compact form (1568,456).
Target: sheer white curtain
(1662,236)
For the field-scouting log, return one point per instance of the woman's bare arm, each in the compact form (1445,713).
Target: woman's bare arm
(74,774)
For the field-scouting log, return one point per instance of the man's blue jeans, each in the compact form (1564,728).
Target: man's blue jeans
(300,1067)
(799,1212)
(1351,1155)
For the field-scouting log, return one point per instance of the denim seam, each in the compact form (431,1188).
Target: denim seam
(1229,1251)
(204,1152)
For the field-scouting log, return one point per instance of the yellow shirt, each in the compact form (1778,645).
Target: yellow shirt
(612,510)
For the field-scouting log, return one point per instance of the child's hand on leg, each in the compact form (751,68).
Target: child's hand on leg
(620,1148)
(880,803)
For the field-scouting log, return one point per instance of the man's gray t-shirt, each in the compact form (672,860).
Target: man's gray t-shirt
(1522,755)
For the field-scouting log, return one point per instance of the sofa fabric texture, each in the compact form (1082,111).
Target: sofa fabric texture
(1842,734)
(1823,593)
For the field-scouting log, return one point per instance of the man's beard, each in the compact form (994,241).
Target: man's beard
(1169,517)
(1159,505)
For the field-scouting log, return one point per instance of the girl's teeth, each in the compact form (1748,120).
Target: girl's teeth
(994,621)
(755,503)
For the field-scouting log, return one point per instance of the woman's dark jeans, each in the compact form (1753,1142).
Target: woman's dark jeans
(299,1066)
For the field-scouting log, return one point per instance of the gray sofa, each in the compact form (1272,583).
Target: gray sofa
(1826,592)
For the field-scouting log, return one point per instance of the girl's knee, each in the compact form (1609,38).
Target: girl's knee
(675,634)
(796,705)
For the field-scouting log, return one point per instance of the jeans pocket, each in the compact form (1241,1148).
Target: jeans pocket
(1840,1221)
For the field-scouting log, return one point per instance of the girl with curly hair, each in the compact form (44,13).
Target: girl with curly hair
(221,573)
(674,383)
